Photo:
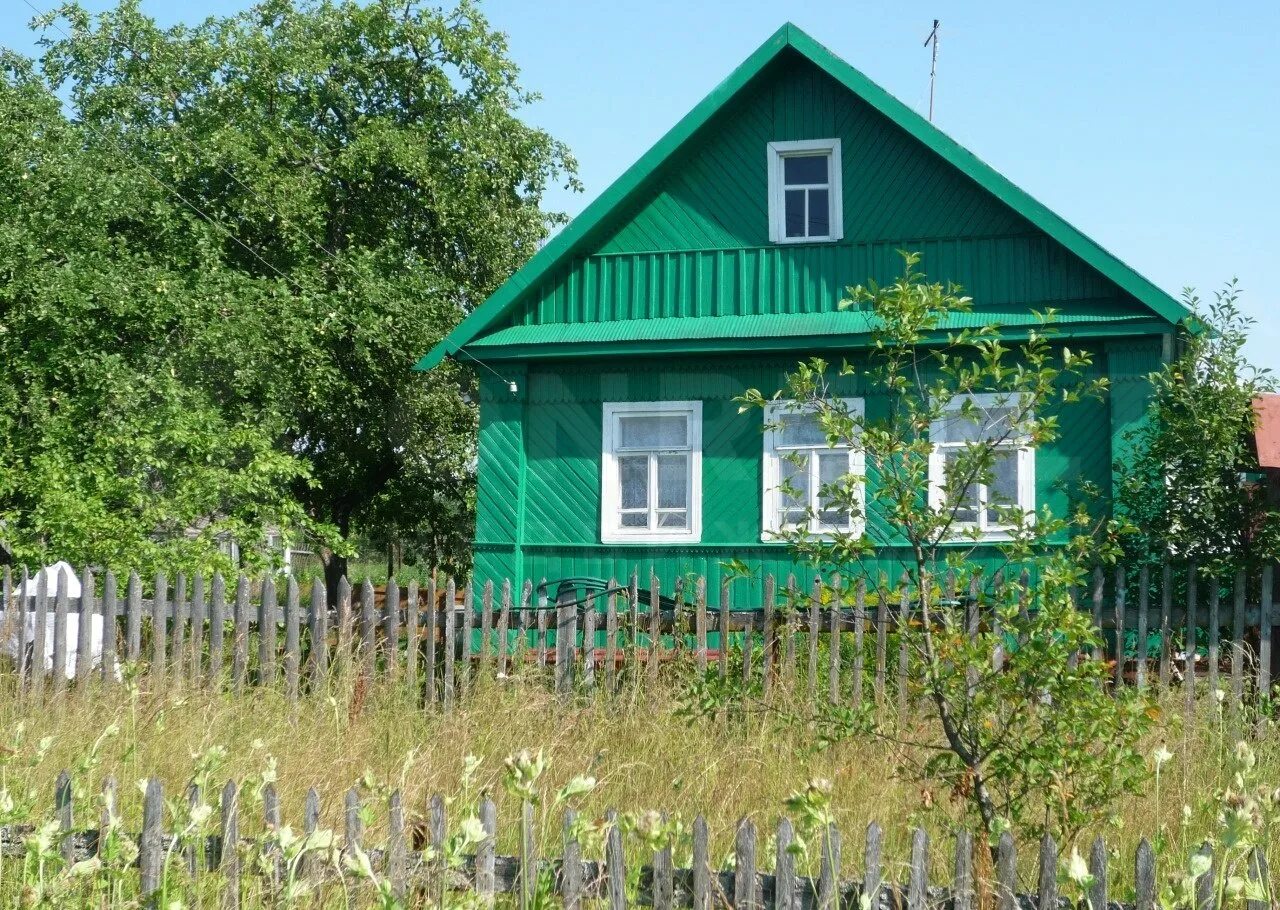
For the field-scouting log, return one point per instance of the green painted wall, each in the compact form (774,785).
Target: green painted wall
(557,412)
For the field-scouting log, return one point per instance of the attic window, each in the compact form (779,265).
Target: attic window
(804,191)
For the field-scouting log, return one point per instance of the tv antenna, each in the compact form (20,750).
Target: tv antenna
(933,66)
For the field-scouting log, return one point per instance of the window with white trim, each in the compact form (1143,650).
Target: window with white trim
(652,472)
(1012,483)
(799,464)
(805,199)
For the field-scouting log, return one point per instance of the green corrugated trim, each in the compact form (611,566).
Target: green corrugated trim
(750,334)
(570,241)
(770,325)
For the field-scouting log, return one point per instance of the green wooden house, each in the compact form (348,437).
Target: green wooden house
(609,437)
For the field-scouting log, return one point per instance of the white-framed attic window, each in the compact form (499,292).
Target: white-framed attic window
(799,463)
(651,472)
(1013,481)
(805,194)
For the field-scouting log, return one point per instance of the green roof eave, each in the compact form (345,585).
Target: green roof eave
(569,241)
(800,333)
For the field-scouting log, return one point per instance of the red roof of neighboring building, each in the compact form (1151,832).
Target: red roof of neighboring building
(1266,434)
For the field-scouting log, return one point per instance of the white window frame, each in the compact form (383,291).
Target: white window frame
(777,151)
(775,453)
(1026,466)
(611,529)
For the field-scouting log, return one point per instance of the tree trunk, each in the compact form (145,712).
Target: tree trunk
(335,564)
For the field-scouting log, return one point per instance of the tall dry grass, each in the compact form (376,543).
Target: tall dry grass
(644,753)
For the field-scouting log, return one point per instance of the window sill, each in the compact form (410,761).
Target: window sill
(989,537)
(792,241)
(649,538)
(772,536)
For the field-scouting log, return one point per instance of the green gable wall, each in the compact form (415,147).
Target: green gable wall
(545,440)
(893,186)
(697,244)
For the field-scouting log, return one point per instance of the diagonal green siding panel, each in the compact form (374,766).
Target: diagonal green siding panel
(714,195)
(562,428)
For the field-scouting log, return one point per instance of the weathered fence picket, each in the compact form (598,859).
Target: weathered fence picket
(84,626)
(240,637)
(198,615)
(60,634)
(178,628)
(442,646)
(412,635)
(754,880)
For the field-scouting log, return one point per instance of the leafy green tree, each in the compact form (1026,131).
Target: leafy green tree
(362,170)
(1016,723)
(1184,490)
(117,444)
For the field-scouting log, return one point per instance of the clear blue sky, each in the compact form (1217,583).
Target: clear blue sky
(1154,127)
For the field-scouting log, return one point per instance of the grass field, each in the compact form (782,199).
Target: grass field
(644,754)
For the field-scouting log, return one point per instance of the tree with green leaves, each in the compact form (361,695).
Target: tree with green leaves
(341,182)
(1185,488)
(119,444)
(1014,719)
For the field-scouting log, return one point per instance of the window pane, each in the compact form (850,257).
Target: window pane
(805,168)
(799,429)
(792,517)
(678,518)
(819,214)
(635,519)
(1003,490)
(653,432)
(633,476)
(831,467)
(998,423)
(966,508)
(954,428)
(673,482)
(984,424)
(795,213)
(792,505)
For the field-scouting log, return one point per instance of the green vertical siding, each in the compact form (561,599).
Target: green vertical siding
(1130,363)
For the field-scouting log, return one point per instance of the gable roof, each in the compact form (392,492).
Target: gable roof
(570,241)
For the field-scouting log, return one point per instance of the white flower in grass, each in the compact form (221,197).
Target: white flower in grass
(1078,870)
(472,830)
(1162,756)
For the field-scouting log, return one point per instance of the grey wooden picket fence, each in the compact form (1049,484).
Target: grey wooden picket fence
(242,847)
(441,639)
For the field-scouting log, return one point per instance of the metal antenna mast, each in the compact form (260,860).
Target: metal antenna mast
(933,66)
